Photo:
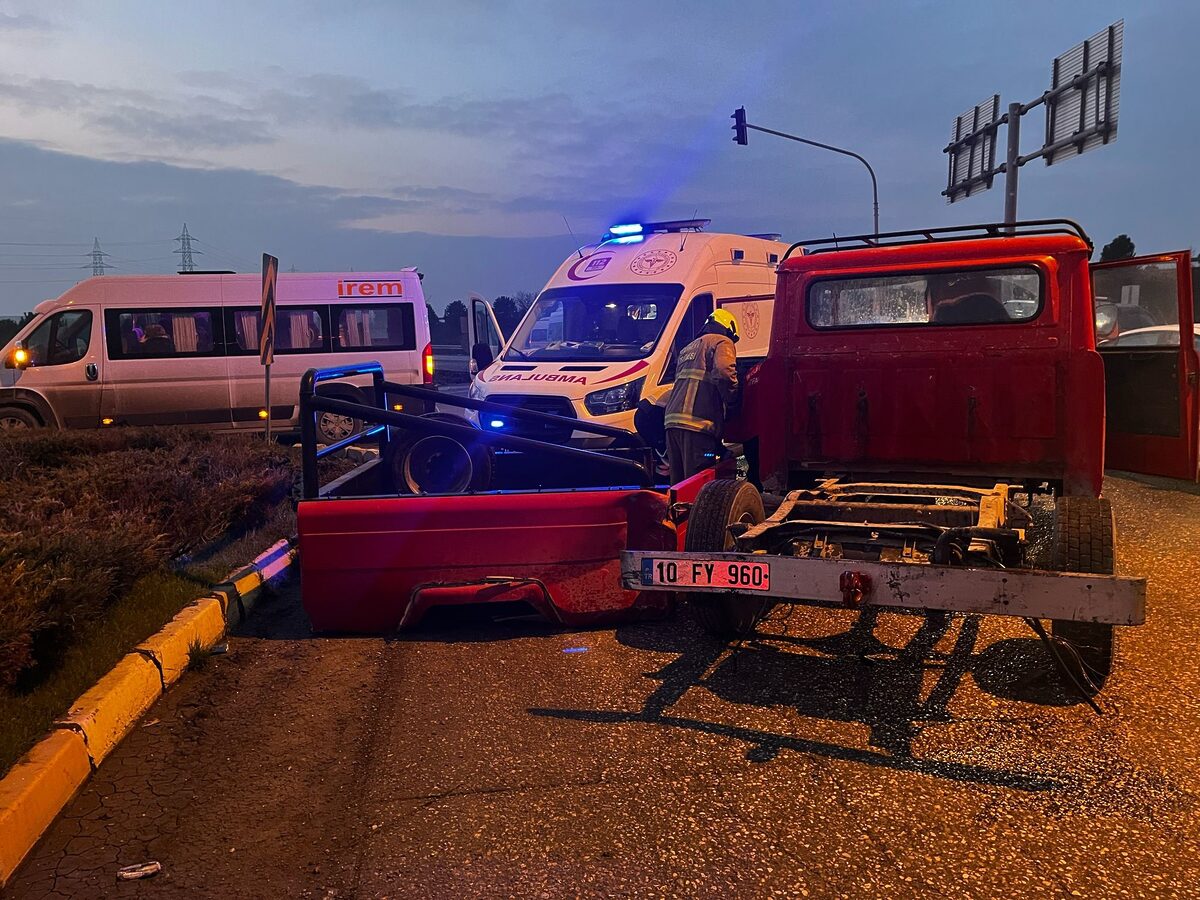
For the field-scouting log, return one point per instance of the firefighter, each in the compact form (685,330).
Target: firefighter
(705,383)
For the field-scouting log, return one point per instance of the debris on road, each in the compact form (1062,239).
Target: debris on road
(141,870)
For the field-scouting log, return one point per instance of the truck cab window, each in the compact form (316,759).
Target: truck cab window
(63,338)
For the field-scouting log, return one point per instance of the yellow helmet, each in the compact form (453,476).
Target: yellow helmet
(725,319)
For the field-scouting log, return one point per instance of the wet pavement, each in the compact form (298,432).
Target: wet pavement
(838,755)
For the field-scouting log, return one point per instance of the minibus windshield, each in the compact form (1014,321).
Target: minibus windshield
(609,322)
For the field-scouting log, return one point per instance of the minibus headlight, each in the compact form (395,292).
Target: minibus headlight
(18,358)
(475,391)
(615,399)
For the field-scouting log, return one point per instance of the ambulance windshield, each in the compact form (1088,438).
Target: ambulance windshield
(609,322)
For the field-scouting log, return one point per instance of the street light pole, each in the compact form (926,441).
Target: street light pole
(844,152)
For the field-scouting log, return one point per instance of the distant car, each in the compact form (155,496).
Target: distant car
(1113,319)
(1156,336)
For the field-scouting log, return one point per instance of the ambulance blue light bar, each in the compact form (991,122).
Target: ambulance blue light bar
(632,232)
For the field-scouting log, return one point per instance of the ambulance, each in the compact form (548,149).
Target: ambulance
(606,330)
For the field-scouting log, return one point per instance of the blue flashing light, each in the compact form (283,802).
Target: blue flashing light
(619,230)
(628,239)
(496,423)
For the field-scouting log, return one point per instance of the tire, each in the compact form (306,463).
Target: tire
(14,418)
(720,504)
(435,464)
(1083,542)
(332,427)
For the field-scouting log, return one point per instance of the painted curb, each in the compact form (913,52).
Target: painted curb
(44,780)
(107,712)
(243,588)
(40,784)
(200,623)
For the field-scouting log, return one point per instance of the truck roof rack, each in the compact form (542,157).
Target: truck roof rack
(942,235)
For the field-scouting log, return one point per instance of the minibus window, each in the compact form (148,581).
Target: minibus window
(63,338)
(381,326)
(298,329)
(163,333)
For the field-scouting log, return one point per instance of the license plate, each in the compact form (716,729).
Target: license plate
(692,573)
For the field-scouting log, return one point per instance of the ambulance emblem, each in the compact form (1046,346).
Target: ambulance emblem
(652,262)
(750,320)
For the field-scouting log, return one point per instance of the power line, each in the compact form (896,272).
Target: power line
(40,281)
(233,257)
(77,243)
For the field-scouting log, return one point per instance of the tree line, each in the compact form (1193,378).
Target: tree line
(451,326)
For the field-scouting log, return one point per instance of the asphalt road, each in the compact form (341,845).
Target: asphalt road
(833,757)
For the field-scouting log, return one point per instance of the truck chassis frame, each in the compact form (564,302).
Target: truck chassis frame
(913,547)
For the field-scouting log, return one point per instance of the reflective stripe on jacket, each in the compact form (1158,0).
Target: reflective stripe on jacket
(705,380)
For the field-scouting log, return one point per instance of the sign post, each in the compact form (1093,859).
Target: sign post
(266,339)
(1081,107)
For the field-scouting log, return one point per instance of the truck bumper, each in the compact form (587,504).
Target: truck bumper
(1031,593)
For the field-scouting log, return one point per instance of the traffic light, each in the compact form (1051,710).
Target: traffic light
(739,126)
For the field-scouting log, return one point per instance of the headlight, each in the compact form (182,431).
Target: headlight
(475,391)
(1106,320)
(615,399)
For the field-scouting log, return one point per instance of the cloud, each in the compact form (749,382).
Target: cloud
(141,125)
(25,22)
(242,213)
(137,116)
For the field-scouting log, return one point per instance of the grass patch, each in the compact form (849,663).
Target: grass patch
(197,656)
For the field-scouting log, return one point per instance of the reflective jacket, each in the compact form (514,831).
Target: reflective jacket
(705,380)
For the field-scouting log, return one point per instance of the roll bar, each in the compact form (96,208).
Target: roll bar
(378,417)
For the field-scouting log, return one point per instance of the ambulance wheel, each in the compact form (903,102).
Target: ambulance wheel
(1083,542)
(436,464)
(720,504)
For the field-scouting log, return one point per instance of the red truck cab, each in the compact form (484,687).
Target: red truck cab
(881,374)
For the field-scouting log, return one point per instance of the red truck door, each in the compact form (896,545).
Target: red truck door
(1146,336)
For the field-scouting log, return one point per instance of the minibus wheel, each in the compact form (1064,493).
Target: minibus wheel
(333,427)
(13,418)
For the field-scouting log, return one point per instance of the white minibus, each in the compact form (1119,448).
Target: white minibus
(184,349)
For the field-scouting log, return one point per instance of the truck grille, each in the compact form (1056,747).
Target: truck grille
(541,431)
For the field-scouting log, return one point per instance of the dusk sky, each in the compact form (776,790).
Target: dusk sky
(455,136)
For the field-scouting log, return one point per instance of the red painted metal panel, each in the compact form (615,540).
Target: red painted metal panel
(1020,400)
(372,564)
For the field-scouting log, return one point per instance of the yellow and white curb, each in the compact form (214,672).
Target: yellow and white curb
(45,779)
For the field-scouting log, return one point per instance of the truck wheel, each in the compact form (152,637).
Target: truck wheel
(436,464)
(1083,542)
(13,418)
(720,504)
